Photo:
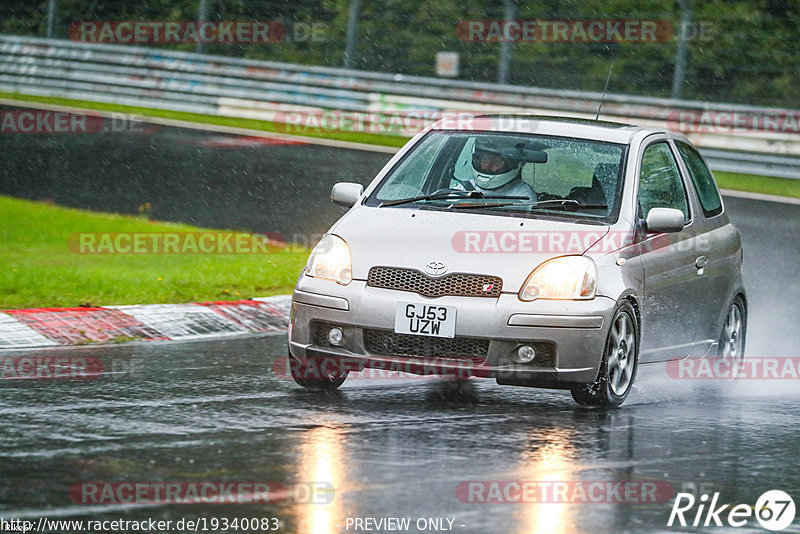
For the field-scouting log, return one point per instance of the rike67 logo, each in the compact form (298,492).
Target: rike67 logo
(774,510)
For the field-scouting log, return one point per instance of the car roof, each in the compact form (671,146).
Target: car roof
(614,132)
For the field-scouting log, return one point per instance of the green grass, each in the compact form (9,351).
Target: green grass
(752,183)
(38,269)
(236,122)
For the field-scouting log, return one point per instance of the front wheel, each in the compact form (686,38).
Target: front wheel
(316,373)
(619,366)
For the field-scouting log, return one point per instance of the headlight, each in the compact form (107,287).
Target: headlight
(330,259)
(568,277)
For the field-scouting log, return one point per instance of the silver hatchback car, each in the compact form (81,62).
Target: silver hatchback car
(538,251)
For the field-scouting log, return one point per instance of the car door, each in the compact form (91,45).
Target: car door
(673,283)
(719,244)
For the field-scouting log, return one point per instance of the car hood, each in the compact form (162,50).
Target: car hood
(508,247)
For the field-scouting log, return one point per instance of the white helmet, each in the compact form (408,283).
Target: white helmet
(490,168)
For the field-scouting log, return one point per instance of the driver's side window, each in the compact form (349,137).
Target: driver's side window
(660,184)
(411,175)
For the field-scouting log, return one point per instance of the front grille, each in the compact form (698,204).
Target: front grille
(455,284)
(459,348)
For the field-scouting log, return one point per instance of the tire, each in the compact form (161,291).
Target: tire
(732,337)
(312,374)
(619,366)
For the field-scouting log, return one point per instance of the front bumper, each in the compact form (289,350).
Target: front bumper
(569,336)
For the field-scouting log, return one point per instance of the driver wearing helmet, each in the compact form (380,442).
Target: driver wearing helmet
(493,173)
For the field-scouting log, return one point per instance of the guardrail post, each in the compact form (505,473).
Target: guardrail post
(52,9)
(505,48)
(202,15)
(682,52)
(352,33)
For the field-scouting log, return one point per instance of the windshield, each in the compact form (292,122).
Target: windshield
(514,174)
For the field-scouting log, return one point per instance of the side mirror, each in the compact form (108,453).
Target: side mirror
(346,194)
(665,220)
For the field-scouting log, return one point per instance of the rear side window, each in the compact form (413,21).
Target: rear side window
(703,180)
(660,184)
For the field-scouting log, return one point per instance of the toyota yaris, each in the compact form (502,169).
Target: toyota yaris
(537,251)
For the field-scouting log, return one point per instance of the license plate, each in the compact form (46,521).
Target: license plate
(425,319)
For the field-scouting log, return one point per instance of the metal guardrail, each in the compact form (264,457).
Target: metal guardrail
(183,81)
(752,163)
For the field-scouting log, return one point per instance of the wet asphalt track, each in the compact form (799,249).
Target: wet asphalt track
(216,411)
(200,178)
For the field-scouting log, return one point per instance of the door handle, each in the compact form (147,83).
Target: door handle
(700,262)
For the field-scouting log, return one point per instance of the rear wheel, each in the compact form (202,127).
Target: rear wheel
(620,363)
(731,339)
(316,373)
(726,365)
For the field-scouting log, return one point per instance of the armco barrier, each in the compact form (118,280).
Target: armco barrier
(236,87)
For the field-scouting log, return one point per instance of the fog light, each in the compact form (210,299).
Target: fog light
(526,354)
(335,336)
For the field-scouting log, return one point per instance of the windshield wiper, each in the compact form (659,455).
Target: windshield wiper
(575,204)
(449,195)
(561,203)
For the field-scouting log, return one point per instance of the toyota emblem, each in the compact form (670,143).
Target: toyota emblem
(435,267)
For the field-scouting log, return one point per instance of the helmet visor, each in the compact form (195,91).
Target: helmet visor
(491,163)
